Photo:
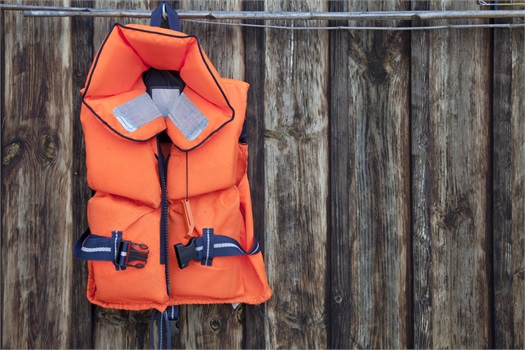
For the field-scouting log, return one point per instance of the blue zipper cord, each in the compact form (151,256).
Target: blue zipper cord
(163,326)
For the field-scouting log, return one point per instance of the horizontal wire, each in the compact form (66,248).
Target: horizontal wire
(211,17)
(55,11)
(386,28)
(295,16)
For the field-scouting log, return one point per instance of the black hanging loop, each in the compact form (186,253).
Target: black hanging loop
(166,13)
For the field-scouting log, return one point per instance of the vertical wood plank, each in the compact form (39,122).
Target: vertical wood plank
(421,238)
(254,43)
(502,187)
(296,175)
(459,156)
(518,188)
(341,163)
(508,189)
(36,183)
(371,207)
(82,55)
(2,103)
(215,326)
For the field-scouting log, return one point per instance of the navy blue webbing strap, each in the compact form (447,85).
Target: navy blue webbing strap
(210,246)
(167,325)
(122,253)
(173,17)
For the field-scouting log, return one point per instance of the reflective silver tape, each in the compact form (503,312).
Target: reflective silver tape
(188,118)
(137,112)
(164,98)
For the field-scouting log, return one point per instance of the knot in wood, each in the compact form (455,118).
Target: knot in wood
(377,71)
(49,147)
(215,324)
(10,152)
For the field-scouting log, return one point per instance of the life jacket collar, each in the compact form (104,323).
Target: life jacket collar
(116,94)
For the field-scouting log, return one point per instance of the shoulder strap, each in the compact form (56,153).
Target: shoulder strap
(165,11)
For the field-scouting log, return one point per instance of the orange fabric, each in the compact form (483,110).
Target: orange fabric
(123,169)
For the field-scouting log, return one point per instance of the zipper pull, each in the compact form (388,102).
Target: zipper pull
(187,216)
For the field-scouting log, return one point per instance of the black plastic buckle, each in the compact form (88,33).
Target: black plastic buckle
(186,253)
(134,252)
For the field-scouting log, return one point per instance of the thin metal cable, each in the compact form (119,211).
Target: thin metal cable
(235,18)
(402,28)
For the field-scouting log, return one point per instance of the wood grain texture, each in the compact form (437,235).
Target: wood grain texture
(212,327)
(420,171)
(517,264)
(82,55)
(254,53)
(229,59)
(121,329)
(341,161)
(2,60)
(103,25)
(459,156)
(296,187)
(2,104)
(502,188)
(371,208)
(36,183)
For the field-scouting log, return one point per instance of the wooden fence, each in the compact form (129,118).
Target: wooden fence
(387,172)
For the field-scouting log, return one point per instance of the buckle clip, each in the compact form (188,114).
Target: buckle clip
(186,253)
(132,252)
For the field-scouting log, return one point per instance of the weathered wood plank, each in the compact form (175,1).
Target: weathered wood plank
(517,266)
(254,53)
(103,25)
(2,103)
(370,207)
(502,188)
(341,161)
(212,327)
(120,329)
(36,183)
(420,218)
(296,181)
(82,54)
(459,158)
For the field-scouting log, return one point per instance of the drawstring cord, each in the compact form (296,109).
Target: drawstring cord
(163,330)
(187,176)
(164,326)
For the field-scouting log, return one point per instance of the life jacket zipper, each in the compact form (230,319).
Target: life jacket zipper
(164,245)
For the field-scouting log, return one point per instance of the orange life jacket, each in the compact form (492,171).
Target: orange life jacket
(162,132)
